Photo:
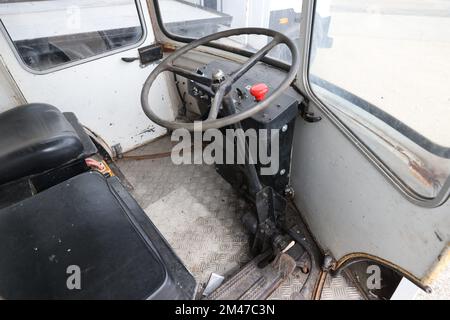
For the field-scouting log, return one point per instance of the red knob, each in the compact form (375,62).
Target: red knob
(259,91)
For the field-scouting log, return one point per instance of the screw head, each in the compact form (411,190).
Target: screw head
(289,192)
(285,128)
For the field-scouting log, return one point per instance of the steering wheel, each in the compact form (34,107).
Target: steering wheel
(222,86)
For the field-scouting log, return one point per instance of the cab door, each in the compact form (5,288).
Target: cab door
(372,176)
(70,54)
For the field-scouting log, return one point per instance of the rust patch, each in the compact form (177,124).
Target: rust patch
(421,173)
(169,48)
(439,266)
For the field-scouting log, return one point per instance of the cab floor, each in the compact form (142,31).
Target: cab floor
(194,208)
(197,212)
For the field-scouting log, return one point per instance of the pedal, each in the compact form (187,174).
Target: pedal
(255,283)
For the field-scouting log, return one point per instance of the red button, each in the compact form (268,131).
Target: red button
(259,91)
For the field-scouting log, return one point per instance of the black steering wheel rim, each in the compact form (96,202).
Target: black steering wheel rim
(222,90)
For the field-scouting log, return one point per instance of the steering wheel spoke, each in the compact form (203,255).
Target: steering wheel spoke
(257,57)
(217,103)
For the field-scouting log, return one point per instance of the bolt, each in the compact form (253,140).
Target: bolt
(329,263)
(218,76)
(285,128)
(282,172)
(289,192)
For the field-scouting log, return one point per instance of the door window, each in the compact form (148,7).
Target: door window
(385,65)
(48,34)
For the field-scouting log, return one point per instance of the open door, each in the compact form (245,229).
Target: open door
(372,176)
(82,57)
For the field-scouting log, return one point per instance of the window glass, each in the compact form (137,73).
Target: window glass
(393,54)
(47,34)
(385,64)
(199,18)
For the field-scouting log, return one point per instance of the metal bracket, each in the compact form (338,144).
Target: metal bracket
(329,263)
(150,54)
(147,55)
(117,151)
(308,115)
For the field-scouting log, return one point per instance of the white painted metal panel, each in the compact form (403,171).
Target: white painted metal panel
(10,95)
(352,208)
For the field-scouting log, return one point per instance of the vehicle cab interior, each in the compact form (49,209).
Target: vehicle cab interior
(224,149)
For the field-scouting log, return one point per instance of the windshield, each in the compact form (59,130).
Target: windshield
(198,18)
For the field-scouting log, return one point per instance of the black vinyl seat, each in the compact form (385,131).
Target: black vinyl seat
(35,138)
(92,223)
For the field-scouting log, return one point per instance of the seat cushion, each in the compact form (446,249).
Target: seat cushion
(94,224)
(35,138)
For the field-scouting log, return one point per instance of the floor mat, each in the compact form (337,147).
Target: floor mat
(197,212)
